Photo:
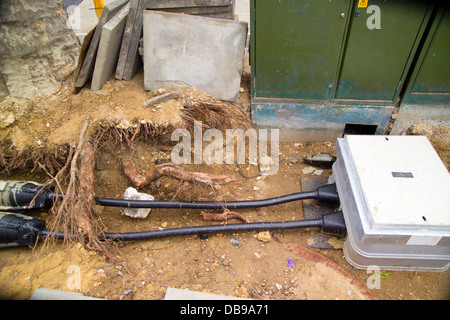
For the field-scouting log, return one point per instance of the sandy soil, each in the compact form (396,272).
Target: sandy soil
(242,264)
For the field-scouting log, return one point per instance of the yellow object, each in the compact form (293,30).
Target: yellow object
(99,5)
(362,3)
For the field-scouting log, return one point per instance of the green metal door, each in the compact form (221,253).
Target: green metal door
(381,44)
(430,82)
(297,47)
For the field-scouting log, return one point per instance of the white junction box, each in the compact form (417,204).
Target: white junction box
(395,196)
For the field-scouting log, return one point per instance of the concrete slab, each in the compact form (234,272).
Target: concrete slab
(183,50)
(134,61)
(89,61)
(129,26)
(130,58)
(51,294)
(109,48)
(181,294)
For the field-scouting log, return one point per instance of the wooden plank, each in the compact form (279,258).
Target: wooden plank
(123,55)
(164,4)
(89,61)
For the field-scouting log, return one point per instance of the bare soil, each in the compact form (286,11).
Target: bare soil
(245,265)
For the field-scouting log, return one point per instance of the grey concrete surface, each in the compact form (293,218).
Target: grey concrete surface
(51,294)
(89,60)
(182,50)
(108,49)
(181,294)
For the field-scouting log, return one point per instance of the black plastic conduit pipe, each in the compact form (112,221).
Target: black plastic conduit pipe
(206,204)
(332,223)
(324,195)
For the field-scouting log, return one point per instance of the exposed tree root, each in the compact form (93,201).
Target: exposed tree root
(215,114)
(173,171)
(76,214)
(53,160)
(227,214)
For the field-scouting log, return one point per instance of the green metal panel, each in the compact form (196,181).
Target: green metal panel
(376,60)
(430,81)
(296,47)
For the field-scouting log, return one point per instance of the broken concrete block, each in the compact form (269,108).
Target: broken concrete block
(137,213)
(176,54)
(108,49)
(89,60)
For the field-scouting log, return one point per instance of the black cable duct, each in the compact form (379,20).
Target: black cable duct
(324,195)
(206,204)
(20,196)
(18,229)
(332,223)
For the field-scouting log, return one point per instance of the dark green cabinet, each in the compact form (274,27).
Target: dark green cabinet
(427,95)
(376,61)
(318,65)
(298,44)
(430,81)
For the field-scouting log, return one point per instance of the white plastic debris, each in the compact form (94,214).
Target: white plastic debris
(312,171)
(137,213)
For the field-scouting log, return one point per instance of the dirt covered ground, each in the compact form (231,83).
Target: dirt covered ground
(281,265)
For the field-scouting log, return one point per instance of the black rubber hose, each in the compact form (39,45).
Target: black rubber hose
(199,230)
(206,204)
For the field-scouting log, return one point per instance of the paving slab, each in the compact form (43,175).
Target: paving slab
(109,48)
(182,294)
(51,294)
(134,61)
(89,61)
(184,50)
(127,34)
(130,58)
